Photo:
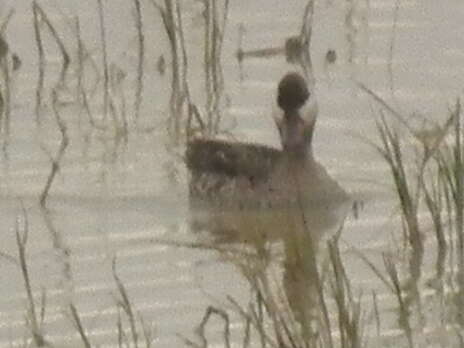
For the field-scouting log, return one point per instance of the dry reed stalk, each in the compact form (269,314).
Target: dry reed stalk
(409,196)
(350,29)
(433,196)
(210,311)
(80,61)
(40,13)
(376,312)
(450,161)
(83,56)
(400,117)
(33,319)
(5,95)
(305,37)
(168,15)
(79,327)
(212,66)
(101,16)
(118,110)
(348,309)
(192,111)
(391,48)
(39,17)
(140,56)
(148,332)
(126,305)
(404,313)
(41,63)
(122,337)
(56,161)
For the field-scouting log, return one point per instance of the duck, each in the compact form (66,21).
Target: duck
(240,176)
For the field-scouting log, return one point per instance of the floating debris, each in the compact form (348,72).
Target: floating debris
(16,62)
(293,49)
(331,56)
(161,65)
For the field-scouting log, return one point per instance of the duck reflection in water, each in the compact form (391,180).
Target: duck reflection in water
(249,193)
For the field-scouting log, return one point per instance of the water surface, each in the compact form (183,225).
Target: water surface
(117,202)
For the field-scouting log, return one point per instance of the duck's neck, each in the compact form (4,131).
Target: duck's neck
(297,136)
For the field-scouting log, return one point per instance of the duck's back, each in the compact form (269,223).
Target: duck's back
(231,159)
(230,173)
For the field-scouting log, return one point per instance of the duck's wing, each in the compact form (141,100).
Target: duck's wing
(231,159)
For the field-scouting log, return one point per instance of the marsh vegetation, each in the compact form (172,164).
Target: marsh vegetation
(97,103)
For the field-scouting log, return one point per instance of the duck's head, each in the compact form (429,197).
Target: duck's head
(296,114)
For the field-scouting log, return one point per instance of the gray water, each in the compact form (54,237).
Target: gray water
(104,206)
